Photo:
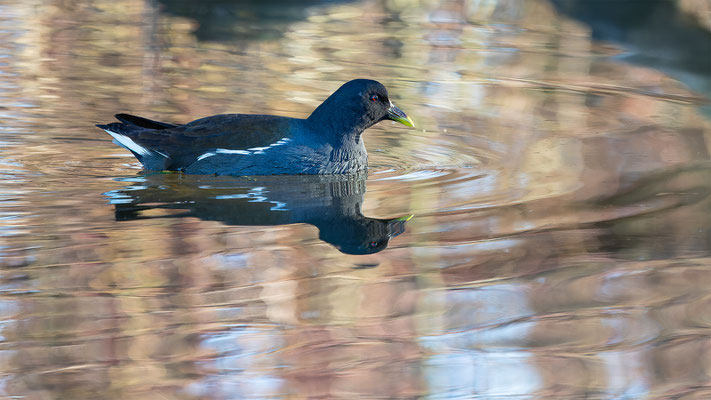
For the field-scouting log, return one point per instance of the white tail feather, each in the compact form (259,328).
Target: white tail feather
(128,143)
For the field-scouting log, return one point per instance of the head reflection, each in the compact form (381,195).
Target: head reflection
(330,203)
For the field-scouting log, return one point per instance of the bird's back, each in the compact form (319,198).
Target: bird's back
(161,146)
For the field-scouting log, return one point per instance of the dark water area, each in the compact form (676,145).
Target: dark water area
(544,232)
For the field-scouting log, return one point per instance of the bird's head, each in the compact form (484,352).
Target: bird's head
(358,105)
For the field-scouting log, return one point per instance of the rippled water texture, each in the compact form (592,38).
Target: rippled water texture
(559,179)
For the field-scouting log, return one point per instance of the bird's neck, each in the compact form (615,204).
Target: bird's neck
(337,124)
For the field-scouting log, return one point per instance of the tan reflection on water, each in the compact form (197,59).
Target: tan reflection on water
(560,246)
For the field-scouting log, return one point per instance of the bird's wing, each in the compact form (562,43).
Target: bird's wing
(227,131)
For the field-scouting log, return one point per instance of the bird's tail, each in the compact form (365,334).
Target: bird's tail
(125,133)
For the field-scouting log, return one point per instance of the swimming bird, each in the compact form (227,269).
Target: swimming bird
(327,142)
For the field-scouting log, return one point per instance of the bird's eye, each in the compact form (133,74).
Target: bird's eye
(374,97)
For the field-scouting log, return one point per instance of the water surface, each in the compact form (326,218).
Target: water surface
(559,179)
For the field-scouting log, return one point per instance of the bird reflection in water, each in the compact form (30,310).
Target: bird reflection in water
(330,203)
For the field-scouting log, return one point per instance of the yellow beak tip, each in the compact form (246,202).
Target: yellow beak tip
(405,121)
(405,217)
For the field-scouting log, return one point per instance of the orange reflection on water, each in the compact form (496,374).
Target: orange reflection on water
(559,247)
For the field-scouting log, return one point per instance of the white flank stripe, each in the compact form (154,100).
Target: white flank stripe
(228,151)
(206,155)
(260,150)
(128,143)
(248,152)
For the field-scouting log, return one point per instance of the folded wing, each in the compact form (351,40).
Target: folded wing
(160,145)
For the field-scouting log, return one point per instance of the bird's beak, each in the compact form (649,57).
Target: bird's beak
(405,218)
(398,115)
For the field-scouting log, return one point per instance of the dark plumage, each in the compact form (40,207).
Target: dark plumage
(327,142)
(331,203)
